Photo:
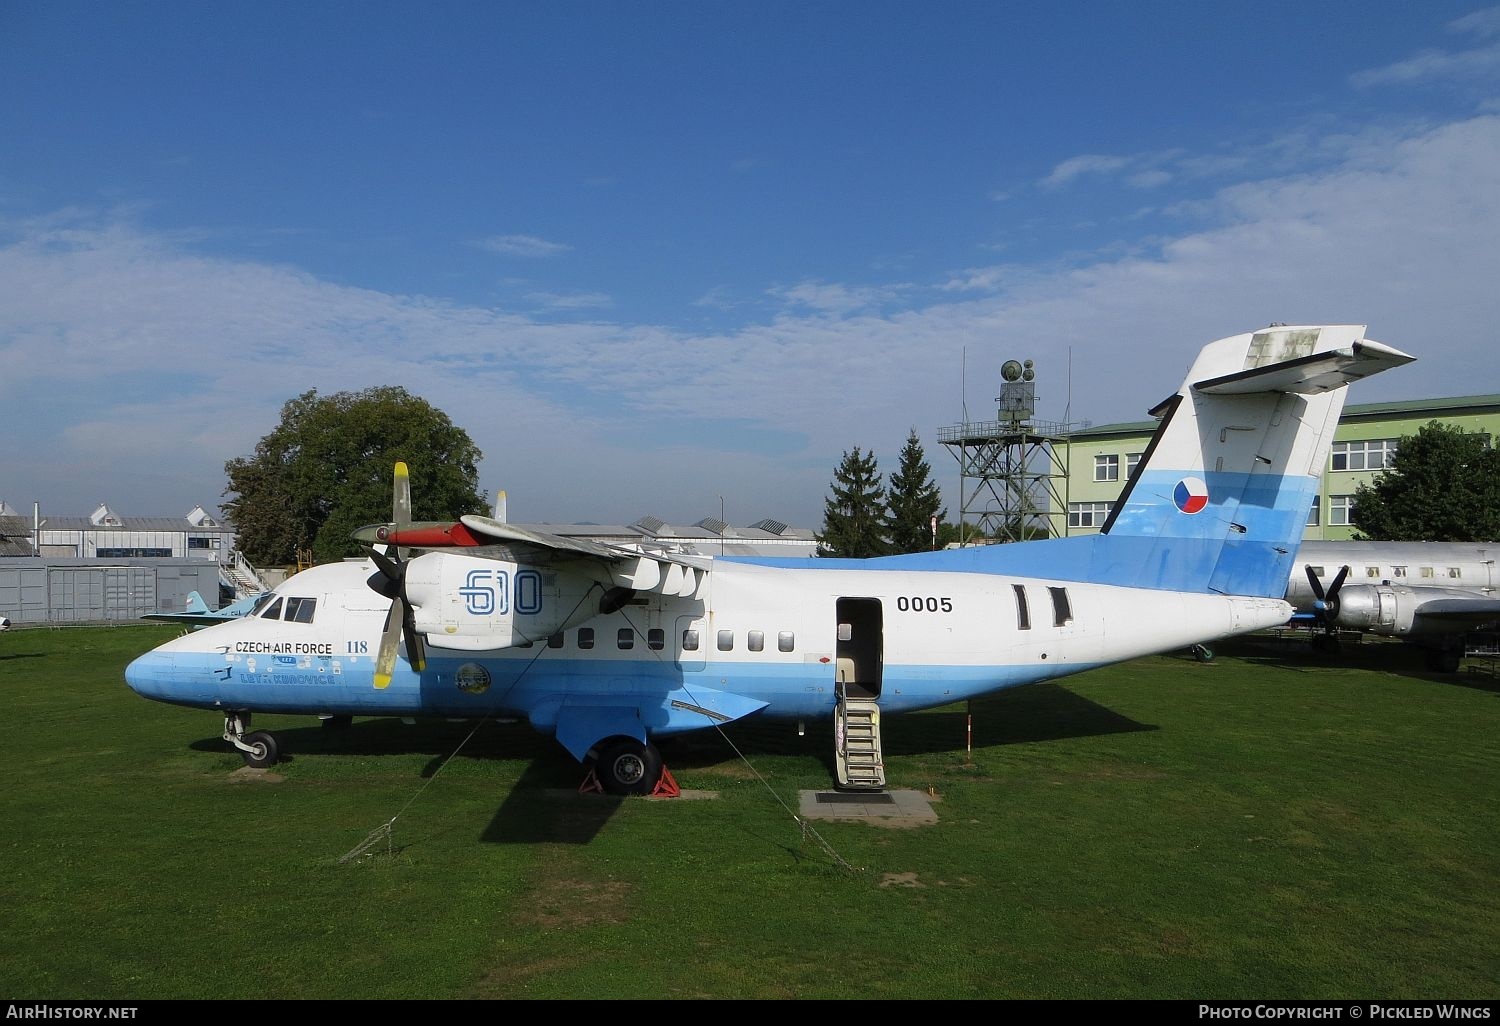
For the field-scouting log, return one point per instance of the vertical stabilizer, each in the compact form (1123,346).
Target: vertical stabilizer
(1221,496)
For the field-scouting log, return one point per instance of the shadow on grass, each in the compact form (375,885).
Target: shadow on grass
(1376,655)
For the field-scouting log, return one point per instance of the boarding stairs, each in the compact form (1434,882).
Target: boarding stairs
(858,759)
(242,577)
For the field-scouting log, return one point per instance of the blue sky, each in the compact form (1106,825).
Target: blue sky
(655,257)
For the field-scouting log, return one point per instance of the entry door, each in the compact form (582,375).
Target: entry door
(860,647)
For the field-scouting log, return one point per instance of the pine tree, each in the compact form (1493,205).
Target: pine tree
(913,500)
(854,515)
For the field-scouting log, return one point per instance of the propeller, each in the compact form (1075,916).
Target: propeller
(1327,605)
(389,580)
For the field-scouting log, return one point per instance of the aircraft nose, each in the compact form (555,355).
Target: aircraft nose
(147,675)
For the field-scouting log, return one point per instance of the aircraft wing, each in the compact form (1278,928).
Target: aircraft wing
(1458,611)
(198,613)
(485,537)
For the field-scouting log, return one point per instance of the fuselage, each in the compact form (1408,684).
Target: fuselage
(757,638)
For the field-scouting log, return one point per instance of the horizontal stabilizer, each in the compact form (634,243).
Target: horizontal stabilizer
(1309,375)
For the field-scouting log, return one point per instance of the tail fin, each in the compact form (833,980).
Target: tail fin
(1221,496)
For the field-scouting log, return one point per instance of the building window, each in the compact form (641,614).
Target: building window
(726,641)
(756,641)
(1312,512)
(1340,510)
(625,639)
(133,553)
(1132,460)
(585,637)
(1107,468)
(202,543)
(1375,454)
(786,641)
(656,639)
(1088,514)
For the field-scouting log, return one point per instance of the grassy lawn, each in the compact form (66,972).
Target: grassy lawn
(1274,824)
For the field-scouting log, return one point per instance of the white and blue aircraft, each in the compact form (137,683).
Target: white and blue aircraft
(611,649)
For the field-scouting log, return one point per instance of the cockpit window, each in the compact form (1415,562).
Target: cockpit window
(262,602)
(273,611)
(300,610)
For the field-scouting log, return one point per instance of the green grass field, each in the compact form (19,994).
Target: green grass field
(1270,825)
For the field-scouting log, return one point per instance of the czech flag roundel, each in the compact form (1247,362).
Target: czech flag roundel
(1191,495)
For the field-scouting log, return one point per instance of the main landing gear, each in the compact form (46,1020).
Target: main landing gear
(625,766)
(259,749)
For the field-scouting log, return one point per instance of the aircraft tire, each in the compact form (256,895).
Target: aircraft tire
(264,750)
(626,766)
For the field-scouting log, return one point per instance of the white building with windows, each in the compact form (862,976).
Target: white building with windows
(1101,459)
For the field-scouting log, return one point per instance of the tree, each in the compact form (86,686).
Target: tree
(1442,484)
(913,499)
(326,469)
(854,515)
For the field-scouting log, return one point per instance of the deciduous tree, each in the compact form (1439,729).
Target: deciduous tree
(326,469)
(1443,484)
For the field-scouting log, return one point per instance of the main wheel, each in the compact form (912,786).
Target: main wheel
(262,750)
(626,766)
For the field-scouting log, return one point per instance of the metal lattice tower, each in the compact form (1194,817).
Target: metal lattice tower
(1013,470)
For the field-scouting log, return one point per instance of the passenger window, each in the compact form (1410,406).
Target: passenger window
(690,640)
(1455,571)
(656,639)
(273,611)
(726,641)
(555,640)
(1062,612)
(1023,611)
(300,610)
(585,637)
(786,641)
(625,639)
(756,642)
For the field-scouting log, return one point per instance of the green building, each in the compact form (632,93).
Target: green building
(1100,460)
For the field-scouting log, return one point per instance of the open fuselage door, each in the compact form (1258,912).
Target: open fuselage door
(859,661)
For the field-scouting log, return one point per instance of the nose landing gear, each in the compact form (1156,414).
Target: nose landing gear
(258,749)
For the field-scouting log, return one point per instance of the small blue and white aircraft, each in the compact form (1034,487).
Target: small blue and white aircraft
(197,614)
(610,649)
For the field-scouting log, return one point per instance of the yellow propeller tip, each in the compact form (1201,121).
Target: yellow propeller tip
(382,681)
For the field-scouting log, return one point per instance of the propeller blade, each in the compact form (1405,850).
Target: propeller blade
(385,661)
(1338,582)
(416,653)
(1317,585)
(401,503)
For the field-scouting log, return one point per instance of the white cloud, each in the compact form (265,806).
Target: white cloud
(522,246)
(131,368)
(1074,167)
(1479,62)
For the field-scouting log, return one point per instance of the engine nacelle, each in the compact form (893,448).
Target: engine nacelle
(1391,609)
(476,604)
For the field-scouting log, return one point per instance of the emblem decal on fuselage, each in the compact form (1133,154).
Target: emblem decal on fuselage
(472,678)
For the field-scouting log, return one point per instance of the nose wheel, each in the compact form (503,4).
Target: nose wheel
(259,749)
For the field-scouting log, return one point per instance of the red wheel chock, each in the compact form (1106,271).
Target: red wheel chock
(666,785)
